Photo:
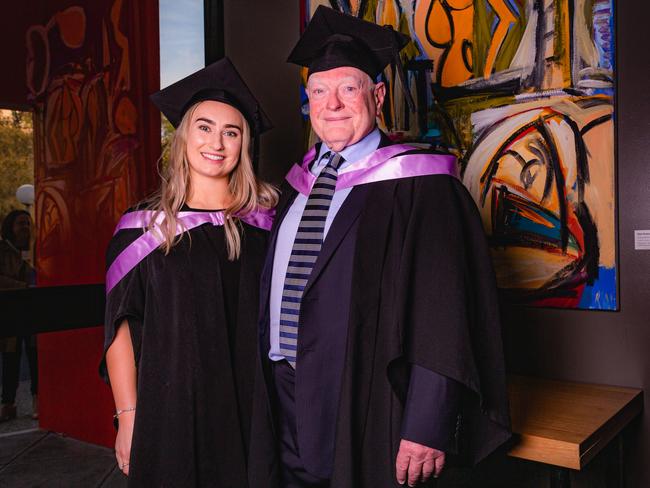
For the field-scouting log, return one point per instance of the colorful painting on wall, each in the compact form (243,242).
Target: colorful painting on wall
(523,92)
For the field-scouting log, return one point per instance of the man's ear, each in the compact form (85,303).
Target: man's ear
(380,95)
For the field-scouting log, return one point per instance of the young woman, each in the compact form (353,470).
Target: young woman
(182,289)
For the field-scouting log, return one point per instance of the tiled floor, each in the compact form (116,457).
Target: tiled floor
(36,458)
(30,457)
(23,420)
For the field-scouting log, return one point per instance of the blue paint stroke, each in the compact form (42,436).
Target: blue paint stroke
(513,7)
(304,103)
(516,221)
(497,20)
(603,25)
(602,294)
(495,23)
(602,91)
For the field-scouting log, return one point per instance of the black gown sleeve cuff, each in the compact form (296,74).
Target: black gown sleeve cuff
(431,409)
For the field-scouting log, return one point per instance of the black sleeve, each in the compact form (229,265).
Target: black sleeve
(431,409)
(126,300)
(450,310)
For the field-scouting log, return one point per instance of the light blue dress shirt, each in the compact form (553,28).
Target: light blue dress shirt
(289,228)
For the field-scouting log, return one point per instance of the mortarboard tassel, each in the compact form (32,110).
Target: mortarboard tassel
(256,139)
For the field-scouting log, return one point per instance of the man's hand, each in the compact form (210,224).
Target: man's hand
(417,463)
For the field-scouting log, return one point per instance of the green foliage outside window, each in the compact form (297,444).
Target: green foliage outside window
(16,157)
(166,131)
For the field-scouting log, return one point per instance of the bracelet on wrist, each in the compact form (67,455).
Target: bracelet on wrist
(124,410)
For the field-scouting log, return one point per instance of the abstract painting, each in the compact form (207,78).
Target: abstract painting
(522,91)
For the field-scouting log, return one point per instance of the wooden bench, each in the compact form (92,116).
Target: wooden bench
(565,424)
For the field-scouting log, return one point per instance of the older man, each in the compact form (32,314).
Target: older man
(380,341)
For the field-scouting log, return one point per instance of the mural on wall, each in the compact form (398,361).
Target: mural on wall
(88,72)
(90,145)
(523,92)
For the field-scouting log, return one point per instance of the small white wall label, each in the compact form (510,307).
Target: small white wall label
(642,240)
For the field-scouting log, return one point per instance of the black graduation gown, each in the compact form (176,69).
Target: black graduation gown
(423,292)
(192,317)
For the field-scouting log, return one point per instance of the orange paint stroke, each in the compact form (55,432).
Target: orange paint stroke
(515,188)
(123,80)
(535,217)
(575,229)
(354,7)
(506,19)
(126,117)
(438,25)
(557,251)
(457,66)
(387,14)
(459,4)
(72,26)
(445,31)
(523,134)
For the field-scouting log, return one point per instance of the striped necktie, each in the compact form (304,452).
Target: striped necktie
(305,251)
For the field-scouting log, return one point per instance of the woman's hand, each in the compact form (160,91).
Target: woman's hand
(123,441)
(122,373)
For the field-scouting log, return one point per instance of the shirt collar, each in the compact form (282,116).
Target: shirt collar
(354,152)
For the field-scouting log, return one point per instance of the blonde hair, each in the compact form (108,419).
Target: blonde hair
(247,191)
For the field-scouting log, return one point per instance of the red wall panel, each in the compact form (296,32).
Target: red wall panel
(89,67)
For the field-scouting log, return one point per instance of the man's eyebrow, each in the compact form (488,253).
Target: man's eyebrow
(347,79)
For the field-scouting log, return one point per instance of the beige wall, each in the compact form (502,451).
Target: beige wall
(258,38)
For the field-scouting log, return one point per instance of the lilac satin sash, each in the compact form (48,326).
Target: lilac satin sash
(151,240)
(383,164)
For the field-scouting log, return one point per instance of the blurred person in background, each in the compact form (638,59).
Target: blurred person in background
(16,272)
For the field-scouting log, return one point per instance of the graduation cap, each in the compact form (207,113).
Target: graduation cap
(333,39)
(218,81)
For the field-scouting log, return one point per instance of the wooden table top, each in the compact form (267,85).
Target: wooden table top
(566,424)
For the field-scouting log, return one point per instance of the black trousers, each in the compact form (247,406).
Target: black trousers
(293,472)
(11,368)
